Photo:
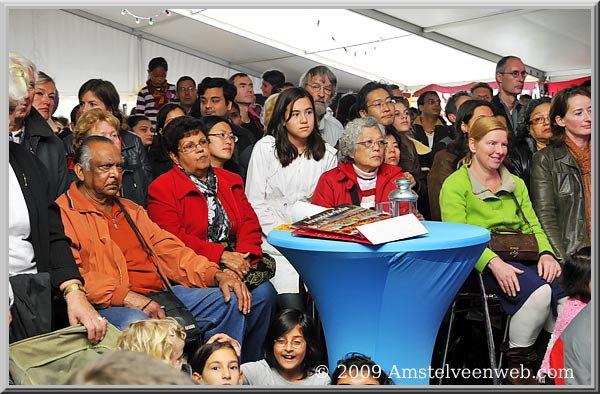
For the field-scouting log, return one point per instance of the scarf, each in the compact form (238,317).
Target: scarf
(218,221)
(161,94)
(583,157)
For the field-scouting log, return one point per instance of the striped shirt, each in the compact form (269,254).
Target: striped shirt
(145,103)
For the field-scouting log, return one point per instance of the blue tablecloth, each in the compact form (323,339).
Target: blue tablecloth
(385,301)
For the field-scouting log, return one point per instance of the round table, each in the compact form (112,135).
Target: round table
(386,301)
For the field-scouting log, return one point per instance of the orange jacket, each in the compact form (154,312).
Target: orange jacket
(103,265)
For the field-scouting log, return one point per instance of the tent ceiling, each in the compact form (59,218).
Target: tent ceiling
(252,41)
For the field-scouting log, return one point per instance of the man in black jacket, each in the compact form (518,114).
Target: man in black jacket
(31,130)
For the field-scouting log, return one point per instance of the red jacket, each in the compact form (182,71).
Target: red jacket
(176,205)
(334,185)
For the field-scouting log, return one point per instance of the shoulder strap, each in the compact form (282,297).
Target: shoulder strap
(521,210)
(143,242)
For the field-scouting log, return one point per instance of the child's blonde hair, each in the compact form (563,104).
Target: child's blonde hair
(154,337)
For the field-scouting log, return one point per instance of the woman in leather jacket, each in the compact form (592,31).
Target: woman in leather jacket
(137,174)
(533,134)
(561,173)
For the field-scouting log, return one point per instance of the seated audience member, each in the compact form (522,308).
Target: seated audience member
(285,167)
(141,126)
(576,282)
(234,114)
(571,356)
(292,353)
(533,133)
(40,263)
(482,192)
(120,251)
(28,128)
(163,339)
(561,173)
(221,143)
(452,106)
(361,177)
(128,368)
(157,91)
(409,147)
(97,93)
(100,122)
(157,153)
(447,160)
(187,93)
(356,369)
(216,363)
(206,207)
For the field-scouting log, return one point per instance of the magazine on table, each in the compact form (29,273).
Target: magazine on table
(348,222)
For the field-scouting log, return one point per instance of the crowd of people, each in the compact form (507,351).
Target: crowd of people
(112,208)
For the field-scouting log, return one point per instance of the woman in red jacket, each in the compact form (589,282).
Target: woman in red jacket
(204,206)
(361,177)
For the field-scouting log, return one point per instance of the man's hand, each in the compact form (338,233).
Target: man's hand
(145,304)
(81,311)
(228,283)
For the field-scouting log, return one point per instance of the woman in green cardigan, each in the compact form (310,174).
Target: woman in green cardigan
(480,193)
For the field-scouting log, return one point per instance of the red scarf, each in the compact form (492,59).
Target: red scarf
(161,94)
(583,157)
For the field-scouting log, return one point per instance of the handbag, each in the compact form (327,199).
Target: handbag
(167,299)
(514,245)
(260,272)
(51,358)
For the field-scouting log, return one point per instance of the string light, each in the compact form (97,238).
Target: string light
(139,18)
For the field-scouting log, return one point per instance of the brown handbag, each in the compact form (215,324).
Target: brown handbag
(513,245)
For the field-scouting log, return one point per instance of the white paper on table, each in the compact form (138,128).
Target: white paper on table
(302,209)
(393,229)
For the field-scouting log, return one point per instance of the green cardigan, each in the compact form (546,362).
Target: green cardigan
(462,201)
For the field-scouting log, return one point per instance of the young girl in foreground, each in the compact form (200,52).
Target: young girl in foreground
(292,352)
(216,363)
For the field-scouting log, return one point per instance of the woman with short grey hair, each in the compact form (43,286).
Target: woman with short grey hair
(361,177)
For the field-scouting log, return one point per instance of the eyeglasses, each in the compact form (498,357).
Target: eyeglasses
(316,87)
(433,101)
(224,136)
(187,148)
(295,343)
(189,88)
(387,103)
(540,119)
(515,74)
(370,144)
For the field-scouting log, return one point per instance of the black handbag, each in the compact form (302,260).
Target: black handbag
(514,245)
(167,299)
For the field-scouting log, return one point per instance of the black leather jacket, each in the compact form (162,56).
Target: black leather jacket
(137,172)
(558,197)
(40,140)
(520,152)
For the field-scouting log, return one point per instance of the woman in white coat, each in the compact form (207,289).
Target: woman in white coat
(284,168)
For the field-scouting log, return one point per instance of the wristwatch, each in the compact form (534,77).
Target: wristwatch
(73,287)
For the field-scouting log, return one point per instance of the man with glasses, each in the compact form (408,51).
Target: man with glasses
(186,92)
(321,83)
(510,76)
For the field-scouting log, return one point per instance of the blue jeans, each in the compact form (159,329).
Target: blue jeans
(215,316)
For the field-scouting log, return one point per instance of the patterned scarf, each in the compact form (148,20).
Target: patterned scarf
(160,94)
(218,221)
(583,157)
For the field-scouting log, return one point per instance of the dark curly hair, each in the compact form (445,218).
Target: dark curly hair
(576,274)
(178,128)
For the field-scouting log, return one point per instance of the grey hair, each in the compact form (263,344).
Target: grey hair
(18,58)
(18,79)
(501,65)
(83,154)
(353,129)
(320,71)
